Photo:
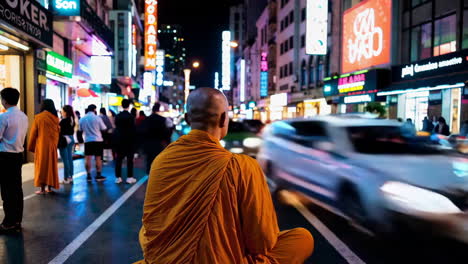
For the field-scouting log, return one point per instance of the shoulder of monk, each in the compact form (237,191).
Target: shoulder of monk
(245,162)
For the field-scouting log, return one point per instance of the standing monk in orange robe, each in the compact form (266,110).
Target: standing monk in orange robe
(206,205)
(43,141)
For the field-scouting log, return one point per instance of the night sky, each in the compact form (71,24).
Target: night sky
(202,23)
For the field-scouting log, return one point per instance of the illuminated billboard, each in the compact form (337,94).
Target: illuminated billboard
(151,24)
(226,61)
(366,35)
(317,27)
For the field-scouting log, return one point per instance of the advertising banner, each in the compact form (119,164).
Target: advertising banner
(317,27)
(29,17)
(366,35)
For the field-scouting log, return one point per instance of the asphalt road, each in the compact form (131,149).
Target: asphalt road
(99,223)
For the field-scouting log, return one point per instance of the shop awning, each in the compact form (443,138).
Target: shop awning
(85,92)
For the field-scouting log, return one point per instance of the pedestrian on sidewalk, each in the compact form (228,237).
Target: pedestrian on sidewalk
(205,204)
(124,141)
(67,142)
(43,141)
(107,134)
(155,134)
(92,127)
(13,129)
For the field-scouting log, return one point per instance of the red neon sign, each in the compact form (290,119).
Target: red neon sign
(151,24)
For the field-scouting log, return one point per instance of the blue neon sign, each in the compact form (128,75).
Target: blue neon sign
(66,7)
(263,84)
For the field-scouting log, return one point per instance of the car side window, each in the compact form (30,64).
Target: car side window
(309,133)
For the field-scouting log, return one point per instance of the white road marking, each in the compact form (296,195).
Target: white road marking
(86,234)
(339,245)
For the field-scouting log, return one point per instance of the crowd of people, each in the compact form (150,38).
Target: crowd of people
(120,136)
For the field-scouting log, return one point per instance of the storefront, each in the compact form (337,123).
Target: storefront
(431,88)
(278,109)
(353,91)
(59,74)
(22,30)
(313,107)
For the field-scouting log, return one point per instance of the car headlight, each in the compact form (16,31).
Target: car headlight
(236,150)
(252,142)
(223,143)
(412,199)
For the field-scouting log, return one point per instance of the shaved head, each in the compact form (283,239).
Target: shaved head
(207,109)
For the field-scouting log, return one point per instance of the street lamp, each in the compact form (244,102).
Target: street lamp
(234,44)
(187,72)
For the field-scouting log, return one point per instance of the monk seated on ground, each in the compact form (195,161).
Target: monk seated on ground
(206,205)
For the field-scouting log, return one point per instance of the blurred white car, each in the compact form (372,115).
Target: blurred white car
(370,170)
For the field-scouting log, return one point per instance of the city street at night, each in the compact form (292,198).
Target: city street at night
(233,131)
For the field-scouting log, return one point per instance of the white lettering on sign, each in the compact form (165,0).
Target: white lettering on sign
(412,69)
(59,64)
(28,12)
(62,4)
(368,40)
(357,99)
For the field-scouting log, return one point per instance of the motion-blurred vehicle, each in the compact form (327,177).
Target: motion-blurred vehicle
(371,171)
(242,139)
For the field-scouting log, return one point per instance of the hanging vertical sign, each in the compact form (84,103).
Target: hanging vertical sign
(317,27)
(264,74)
(151,24)
(226,61)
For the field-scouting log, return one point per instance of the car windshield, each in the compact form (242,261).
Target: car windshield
(387,140)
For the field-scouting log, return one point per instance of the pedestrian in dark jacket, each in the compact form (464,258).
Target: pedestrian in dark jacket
(155,134)
(124,142)
(442,127)
(427,125)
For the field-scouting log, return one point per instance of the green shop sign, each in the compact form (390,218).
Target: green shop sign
(59,64)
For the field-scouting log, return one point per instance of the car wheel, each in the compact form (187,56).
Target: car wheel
(353,208)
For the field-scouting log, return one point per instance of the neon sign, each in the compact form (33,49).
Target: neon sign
(151,7)
(242,81)
(160,55)
(352,83)
(66,7)
(226,63)
(264,62)
(367,35)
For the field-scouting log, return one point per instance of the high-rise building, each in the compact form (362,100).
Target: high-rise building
(172,42)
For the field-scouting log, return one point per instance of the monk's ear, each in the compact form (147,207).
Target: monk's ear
(187,119)
(222,120)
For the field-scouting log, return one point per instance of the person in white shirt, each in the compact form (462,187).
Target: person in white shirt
(92,127)
(13,130)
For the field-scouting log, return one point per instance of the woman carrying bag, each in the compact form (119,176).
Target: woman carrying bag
(67,142)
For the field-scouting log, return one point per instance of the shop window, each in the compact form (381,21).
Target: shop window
(320,72)
(303,74)
(10,73)
(465,30)
(405,46)
(421,42)
(445,32)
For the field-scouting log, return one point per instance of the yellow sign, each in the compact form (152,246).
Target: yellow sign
(115,101)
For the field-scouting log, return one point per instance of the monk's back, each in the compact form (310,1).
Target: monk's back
(191,208)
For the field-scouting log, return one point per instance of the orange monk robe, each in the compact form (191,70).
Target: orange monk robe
(206,205)
(43,140)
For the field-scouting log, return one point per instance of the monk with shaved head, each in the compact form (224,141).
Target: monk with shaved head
(205,205)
